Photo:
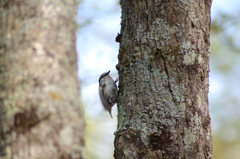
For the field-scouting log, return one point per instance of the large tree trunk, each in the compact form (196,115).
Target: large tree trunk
(163,88)
(40,111)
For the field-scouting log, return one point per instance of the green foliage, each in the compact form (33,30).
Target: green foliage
(223,149)
(225,49)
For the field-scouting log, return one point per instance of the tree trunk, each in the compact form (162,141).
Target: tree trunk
(163,88)
(40,113)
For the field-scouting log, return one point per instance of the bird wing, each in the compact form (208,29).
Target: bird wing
(105,103)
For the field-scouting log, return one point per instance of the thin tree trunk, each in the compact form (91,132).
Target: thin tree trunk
(40,110)
(163,68)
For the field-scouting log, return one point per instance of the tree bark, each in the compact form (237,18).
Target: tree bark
(163,87)
(40,110)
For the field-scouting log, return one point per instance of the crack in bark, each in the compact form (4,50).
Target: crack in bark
(169,83)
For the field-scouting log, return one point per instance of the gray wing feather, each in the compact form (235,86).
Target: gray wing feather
(105,103)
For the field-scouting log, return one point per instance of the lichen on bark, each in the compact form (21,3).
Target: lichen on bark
(163,104)
(41,114)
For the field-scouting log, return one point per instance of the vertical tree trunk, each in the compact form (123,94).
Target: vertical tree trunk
(163,68)
(40,113)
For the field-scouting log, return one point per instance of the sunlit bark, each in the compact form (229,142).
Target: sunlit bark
(163,87)
(40,110)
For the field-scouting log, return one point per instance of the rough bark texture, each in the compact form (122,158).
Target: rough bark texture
(164,70)
(40,113)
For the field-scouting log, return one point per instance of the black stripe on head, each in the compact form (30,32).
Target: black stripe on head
(103,75)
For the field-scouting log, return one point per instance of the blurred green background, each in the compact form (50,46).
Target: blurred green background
(99,23)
